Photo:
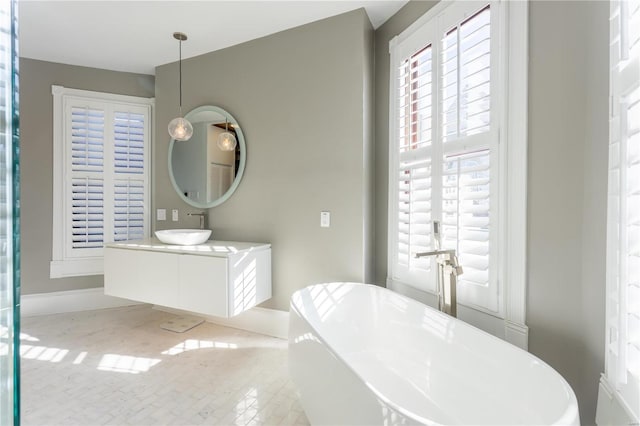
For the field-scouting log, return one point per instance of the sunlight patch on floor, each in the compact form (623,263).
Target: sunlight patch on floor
(193,344)
(126,363)
(42,353)
(80,357)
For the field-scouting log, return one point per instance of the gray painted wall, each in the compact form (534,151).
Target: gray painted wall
(568,131)
(301,98)
(568,136)
(36,160)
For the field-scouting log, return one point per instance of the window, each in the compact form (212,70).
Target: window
(623,209)
(453,113)
(101,176)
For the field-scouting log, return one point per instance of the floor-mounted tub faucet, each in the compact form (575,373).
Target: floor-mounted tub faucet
(448,271)
(203,218)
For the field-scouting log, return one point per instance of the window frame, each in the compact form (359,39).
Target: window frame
(88,261)
(510,262)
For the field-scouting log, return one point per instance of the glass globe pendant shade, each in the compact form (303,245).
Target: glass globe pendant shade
(180,129)
(226,141)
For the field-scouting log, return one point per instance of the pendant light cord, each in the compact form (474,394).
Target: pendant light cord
(180,74)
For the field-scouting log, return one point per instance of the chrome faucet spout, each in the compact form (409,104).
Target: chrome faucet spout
(203,218)
(435,253)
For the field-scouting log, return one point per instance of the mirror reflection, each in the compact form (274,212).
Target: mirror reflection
(206,169)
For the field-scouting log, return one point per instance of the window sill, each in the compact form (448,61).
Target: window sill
(76,267)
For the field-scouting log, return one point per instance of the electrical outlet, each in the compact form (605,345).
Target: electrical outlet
(161,214)
(325,219)
(174,215)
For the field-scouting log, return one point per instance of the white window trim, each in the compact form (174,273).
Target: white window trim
(513,184)
(61,266)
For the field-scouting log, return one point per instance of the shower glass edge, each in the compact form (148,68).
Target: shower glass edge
(9,217)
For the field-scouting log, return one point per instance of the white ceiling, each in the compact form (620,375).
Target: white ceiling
(136,36)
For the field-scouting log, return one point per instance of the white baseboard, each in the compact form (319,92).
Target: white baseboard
(610,409)
(270,322)
(517,334)
(69,301)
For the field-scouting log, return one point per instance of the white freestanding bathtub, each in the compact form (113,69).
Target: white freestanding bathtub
(364,355)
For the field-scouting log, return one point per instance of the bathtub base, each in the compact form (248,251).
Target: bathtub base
(336,396)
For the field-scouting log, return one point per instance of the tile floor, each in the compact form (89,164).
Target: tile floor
(118,367)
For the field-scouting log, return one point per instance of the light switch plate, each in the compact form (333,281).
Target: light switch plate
(325,219)
(174,215)
(161,214)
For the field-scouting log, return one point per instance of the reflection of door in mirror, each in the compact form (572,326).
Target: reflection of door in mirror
(189,165)
(221,165)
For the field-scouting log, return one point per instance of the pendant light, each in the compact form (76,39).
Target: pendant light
(179,128)
(226,140)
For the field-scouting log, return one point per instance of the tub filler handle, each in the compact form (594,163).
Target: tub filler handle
(448,271)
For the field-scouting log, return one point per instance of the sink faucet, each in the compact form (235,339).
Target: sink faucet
(448,271)
(203,218)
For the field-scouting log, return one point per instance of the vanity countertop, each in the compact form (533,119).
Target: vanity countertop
(208,248)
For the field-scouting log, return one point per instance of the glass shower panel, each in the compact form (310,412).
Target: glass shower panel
(9,218)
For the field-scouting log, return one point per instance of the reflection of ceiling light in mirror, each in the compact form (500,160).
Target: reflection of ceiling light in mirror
(226,140)
(179,128)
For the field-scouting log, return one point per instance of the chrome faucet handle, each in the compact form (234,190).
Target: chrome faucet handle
(450,258)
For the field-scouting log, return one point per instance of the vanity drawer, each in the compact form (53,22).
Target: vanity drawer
(143,276)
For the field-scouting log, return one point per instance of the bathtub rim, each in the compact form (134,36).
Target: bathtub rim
(378,394)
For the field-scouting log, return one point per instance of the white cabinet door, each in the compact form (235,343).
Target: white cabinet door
(203,285)
(144,276)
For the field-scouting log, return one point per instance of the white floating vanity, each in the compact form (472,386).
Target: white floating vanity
(220,278)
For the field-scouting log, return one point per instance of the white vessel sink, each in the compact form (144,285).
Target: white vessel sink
(183,237)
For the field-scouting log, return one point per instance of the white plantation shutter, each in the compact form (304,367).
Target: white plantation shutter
(87,213)
(130,190)
(414,95)
(466,77)
(101,176)
(623,212)
(466,65)
(86,184)
(129,149)
(414,216)
(465,213)
(475,64)
(445,150)
(415,112)
(87,139)
(129,210)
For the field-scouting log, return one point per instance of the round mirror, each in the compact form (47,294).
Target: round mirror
(206,169)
